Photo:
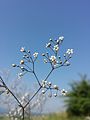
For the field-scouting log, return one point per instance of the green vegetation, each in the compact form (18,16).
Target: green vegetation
(58,116)
(78,102)
(3,118)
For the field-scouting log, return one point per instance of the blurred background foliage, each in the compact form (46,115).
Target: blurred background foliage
(78,102)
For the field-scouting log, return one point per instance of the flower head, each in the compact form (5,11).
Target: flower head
(45,61)
(53,59)
(67,63)
(69,51)
(35,54)
(56,48)
(22,49)
(61,38)
(13,65)
(50,39)
(22,62)
(55,94)
(55,87)
(43,91)
(49,83)
(63,92)
(43,54)
(44,83)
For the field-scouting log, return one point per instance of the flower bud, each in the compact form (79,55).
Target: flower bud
(22,62)
(43,54)
(22,49)
(55,95)
(43,91)
(49,83)
(55,87)
(13,65)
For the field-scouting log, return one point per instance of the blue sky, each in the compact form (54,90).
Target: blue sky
(31,23)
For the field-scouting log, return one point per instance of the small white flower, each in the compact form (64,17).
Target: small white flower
(22,49)
(49,83)
(56,48)
(22,68)
(63,92)
(67,63)
(69,51)
(13,65)
(45,61)
(53,59)
(35,54)
(58,41)
(20,74)
(43,91)
(55,87)
(60,62)
(48,45)
(55,94)
(22,62)
(64,55)
(50,39)
(44,83)
(43,54)
(61,38)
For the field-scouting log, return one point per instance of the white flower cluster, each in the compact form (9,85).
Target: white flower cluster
(22,49)
(27,58)
(54,59)
(48,86)
(56,48)
(69,51)
(54,45)
(35,54)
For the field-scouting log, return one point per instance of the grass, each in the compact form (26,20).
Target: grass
(57,116)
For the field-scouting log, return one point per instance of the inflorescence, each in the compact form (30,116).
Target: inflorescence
(27,65)
(54,60)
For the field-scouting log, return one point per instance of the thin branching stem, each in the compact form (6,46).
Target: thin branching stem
(49,74)
(33,96)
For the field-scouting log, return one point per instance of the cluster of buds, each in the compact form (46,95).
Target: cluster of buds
(55,44)
(48,86)
(55,60)
(27,58)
